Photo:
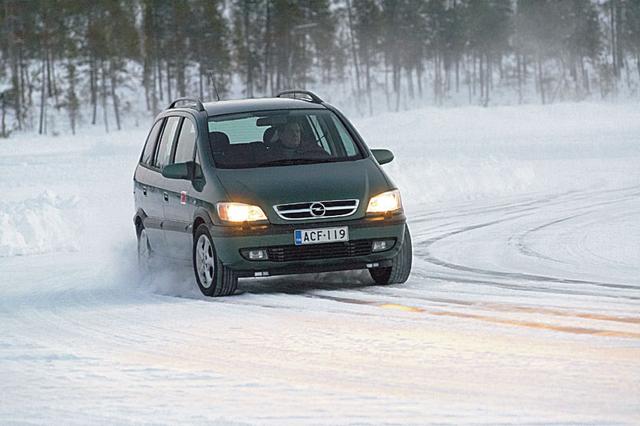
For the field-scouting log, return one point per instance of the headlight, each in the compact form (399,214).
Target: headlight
(240,212)
(386,202)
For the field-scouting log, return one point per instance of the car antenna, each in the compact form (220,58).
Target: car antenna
(212,82)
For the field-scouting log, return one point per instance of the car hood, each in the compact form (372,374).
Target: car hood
(269,186)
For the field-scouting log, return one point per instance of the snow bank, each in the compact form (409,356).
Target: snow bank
(42,224)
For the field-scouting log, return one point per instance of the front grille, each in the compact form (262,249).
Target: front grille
(320,251)
(316,209)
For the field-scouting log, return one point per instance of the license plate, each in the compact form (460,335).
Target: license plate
(321,235)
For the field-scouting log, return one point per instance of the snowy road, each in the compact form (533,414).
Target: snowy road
(523,307)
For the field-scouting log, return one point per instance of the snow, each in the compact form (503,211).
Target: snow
(42,224)
(476,152)
(522,306)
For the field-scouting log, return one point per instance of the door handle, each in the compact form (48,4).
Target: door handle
(166,196)
(144,191)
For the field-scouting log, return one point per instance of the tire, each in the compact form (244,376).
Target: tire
(145,253)
(400,268)
(213,278)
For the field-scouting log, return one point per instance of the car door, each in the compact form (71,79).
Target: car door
(157,190)
(146,193)
(179,205)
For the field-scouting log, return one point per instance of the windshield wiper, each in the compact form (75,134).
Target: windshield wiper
(295,161)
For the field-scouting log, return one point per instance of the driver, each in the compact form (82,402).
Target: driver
(289,143)
(290,137)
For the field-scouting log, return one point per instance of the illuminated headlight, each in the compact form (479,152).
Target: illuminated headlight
(386,202)
(240,212)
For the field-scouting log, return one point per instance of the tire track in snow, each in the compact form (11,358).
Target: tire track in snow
(519,240)
(423,249)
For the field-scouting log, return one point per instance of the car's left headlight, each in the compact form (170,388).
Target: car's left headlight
(386,202)
(240,212)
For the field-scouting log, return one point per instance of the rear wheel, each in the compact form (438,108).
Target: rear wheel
(144,251)
(400,267)
(213,278)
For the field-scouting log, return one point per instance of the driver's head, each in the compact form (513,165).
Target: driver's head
(290,136)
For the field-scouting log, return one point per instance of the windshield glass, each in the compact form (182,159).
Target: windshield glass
(276,138)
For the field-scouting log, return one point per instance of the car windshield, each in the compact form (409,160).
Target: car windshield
(277,138)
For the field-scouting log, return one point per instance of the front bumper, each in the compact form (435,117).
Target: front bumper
(229,241)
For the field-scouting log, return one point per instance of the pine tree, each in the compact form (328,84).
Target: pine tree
(367,34)
(248,32)
(209,41)
(630,32)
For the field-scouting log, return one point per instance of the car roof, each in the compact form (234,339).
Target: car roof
(260,104)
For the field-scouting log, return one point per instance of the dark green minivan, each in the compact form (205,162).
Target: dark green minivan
(261,187)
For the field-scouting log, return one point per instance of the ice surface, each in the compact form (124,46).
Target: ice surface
(523,305)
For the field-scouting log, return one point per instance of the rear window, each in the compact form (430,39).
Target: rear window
(240,129)
(282,137)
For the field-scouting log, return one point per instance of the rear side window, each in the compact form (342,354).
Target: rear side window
(186,142)
(166,141)
(150,145)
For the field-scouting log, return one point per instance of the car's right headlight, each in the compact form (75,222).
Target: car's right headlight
(239,212)
(386,202)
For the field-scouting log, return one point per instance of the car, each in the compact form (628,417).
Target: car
(263,187)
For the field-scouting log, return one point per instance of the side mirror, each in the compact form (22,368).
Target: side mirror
(179,170)
(382,156)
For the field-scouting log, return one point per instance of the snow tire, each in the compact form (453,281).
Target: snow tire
(225,280)
(145,252)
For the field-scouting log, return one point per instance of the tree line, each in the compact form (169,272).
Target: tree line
(80,57)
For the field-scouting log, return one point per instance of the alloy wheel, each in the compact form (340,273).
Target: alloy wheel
(205,261)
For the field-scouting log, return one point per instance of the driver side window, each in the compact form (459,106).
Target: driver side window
(150,145)
(319,133)
(186,142)
(163,154)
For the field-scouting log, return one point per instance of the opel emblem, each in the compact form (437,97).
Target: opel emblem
(317,209)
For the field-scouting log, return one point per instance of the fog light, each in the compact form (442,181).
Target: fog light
(382,245)
(257,254)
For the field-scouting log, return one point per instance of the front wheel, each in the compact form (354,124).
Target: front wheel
(213,278)
(400,267)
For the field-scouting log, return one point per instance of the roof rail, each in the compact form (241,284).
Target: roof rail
(306,95)
(197,103)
